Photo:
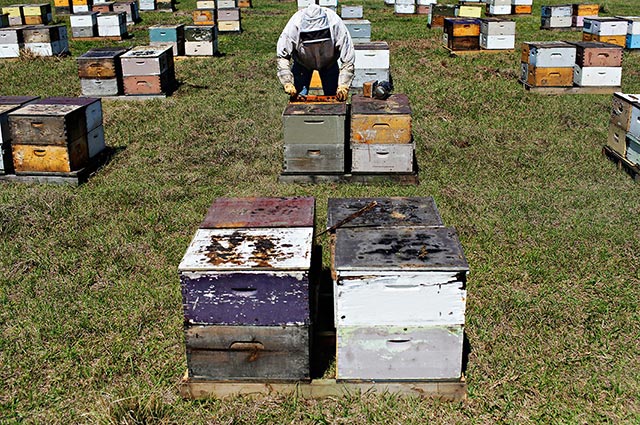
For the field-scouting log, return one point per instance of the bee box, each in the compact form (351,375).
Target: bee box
(166,33)
(469,11)
(6,163)
(103,63)
(382,158)
(103,7)
(522,9)
(128,7)
(87,19)
(147,5)
(314,123)
(113,24)
(10,50)
(201,48)
(226,4)
(437,14)
(229,14)
(556,22)
(559,10)
(633,24)
(586,9)
(388,212)
(229,26)
(37,14)
(147,60)
(314,159)
(606,26)
(552,55)
(549,77)
(497,26)
(256,213)
(45,34)
(633,149)
(15,12)
(404,9)
(462,27)
(148,84)
(499,9)
(618,40)
(47,49)
(204,16)
(200,33)
(351,12)
(362,75)
(100,86)
(461,43)
(598,54)
(372,55)
(376,121)
(359,28)
(597,76)
(622,109)
(40,124)
(49,158)
(497,42)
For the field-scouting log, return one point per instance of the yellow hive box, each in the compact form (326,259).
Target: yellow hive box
(50,158)
(470,11)
(587,9)
(550,77)
(13,11)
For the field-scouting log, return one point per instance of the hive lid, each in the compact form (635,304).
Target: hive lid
(356,22)
(146,52)
(605,19)
(549,44)
(17,100)
(496,20)
(249,249)
(103,53)
(7,108)
(389,212)
(372,45)
(399,249)
(628,97)
(82,101)
(462,21)
(228,213)
(36,109)
(338,108)
(394,104)
(166,26)
(594,45)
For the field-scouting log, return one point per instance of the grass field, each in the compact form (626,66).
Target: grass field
(90,307)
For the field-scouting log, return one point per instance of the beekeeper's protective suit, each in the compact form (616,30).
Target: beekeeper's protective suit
(316,37)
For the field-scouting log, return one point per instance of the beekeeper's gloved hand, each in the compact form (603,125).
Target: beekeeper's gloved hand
(290,89)
(342,93)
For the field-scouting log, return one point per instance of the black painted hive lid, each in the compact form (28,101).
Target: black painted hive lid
(389,212)
(394,104)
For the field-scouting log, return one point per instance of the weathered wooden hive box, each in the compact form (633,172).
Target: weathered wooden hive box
(37,14)
(461,33)
(548,63)
(100,71)
(399,289)
(381,140)
(633,31)
(245,282)
(9,104)
(201,40)
(48,138)
(148,70)
(496,33)
(105,7)
(172,35)
(204,16)
(624,125)
(597,64)
(372,61)
(314,137)
(46,40)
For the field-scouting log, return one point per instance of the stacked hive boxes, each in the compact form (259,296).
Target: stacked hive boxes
(147,5)
(55,136)
(245,281)
(399,289)
(498,7)
(15,13)
(404,7)
(37,14)
(371,62)
(359,29)
(8,104)
(84,25)
(624,128)
(553,17)
(438,13)
(521,7)
(606,30)
(351,12)
(112,24)
(11,42)
(148,70)
(131,10)
(314,138)
(168,35)
(100,72)
(468,11)
(597,64)
(582,11)
(497,34)
(79,6)
(46,40)
(103,7)
(201,40)
(381,139)
(62,7)
(205,13)
(462,33)
(228,17)
(548,64)
(633,31)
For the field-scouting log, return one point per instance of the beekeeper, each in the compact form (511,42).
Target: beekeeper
(316,39)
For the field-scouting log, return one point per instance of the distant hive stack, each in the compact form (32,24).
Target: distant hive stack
(148,70)
(496,34)
(103,7)
(100,72)
(46,40)
(521,7)
(633,32)
(461,34)
(130,8)
(597,64)
(62,7)
(112,24)
(438,13)
(168,35)
(399,291)
(624,128)
(582,11)
(468,10)
(548,64)
(498,7)
(15,13)
(553,17)
(329,4)
(165,5)
(204,16)
(80,6)
(11,41)
(314,138)
(381,140)
(228,16)
(404,7)
(7,105)
(201,40)
(372,62)
(246,288)
(37,14)
(606,30)
(84,25)
(359,30)
(56,137)
(351,12)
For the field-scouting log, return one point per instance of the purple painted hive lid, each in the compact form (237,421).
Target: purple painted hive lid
(81,101)
(17,100)
(233,213)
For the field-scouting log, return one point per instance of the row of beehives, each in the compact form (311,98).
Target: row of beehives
(567,15)
(622,31)
(249,282)
(40,40)
(565,64)
(225,13)
(624,128)
(25,14)
(379,135)
(189,40)
(143,70)
(438,12)
(53,135)
(67,7)
(473,34)
(507,7)
(99,24)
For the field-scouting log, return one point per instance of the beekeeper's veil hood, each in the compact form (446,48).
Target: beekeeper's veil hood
(314,21)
